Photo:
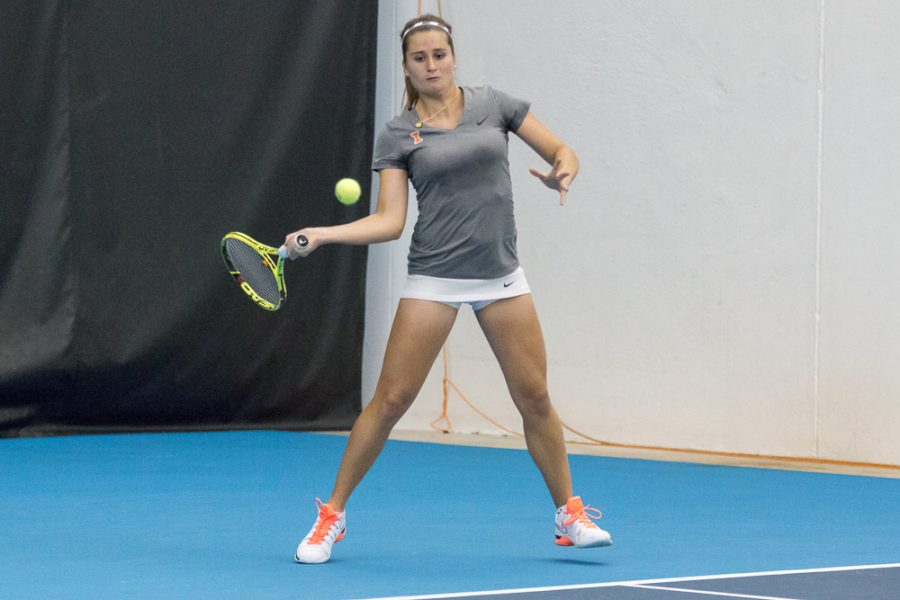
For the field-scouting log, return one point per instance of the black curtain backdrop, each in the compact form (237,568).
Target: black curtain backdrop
(133,135)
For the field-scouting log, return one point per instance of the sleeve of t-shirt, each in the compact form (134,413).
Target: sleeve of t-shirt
(388,152)
(512,110)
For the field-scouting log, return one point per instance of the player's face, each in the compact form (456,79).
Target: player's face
(429,62)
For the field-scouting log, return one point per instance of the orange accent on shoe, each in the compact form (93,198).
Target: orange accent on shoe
(564,540)
(579,512)
(327,518)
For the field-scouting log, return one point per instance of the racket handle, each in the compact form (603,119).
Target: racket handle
(300,240)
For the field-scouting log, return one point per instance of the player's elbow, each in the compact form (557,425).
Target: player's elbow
(387,232)
(396,232)
(393,227)
(389,223)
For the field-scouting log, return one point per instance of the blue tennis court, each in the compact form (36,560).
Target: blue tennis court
(218,515)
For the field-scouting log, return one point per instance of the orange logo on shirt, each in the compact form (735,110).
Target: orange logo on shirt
(417,139)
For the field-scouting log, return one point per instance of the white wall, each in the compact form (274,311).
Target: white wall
(720,277)
(859,382)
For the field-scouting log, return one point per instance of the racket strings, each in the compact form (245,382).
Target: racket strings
(254,269)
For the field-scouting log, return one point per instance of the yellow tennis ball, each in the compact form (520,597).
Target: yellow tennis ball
(347,190)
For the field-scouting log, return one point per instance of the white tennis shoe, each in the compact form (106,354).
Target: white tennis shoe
(574,526)
(329,528)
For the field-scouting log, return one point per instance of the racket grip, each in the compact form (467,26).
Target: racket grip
(300,240)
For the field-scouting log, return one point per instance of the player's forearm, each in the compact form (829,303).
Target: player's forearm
(373,229)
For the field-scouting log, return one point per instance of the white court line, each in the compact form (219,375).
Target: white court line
(639,582)
(707,592)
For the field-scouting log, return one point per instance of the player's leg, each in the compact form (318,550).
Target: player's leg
(514,332)
(419,330)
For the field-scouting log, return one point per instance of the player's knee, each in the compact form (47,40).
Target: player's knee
(393,403)
(534,403)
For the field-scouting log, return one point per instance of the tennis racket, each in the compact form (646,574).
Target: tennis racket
(258,268)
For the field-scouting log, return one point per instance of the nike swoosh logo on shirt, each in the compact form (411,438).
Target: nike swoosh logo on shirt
(481,120)
(508,284)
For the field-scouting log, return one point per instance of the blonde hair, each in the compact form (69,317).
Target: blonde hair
(426,22)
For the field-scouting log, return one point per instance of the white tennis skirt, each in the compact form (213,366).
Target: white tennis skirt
(477,292)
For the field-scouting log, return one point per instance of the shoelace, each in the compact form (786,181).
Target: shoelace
(323,523)
(583,517)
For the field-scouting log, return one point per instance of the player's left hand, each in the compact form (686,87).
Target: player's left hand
(557,179)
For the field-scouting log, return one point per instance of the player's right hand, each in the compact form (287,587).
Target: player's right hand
(295,250)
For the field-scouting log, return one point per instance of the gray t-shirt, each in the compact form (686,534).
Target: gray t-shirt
(466,227)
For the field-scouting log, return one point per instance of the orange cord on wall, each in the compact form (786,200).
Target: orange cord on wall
(440,12)
(591,441)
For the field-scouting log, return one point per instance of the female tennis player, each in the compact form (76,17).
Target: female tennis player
(451,142)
